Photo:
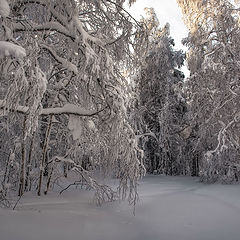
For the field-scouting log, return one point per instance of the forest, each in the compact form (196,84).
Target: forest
(89,93)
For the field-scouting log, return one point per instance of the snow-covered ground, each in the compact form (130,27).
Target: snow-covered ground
(171,208)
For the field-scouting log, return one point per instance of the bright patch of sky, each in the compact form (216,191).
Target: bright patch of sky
(167,11)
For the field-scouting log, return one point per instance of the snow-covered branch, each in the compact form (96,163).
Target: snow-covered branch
(66,109)
(4,8)
(70,66)
(70,109)
(69,60)
(51,26)
(85,35)
(10,49)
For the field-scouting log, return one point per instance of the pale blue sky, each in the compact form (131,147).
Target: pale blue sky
(167,11)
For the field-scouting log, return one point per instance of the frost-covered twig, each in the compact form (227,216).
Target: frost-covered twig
(76,183)
(103,192)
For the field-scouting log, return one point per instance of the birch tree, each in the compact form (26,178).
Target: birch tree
(213,60)
(62,85)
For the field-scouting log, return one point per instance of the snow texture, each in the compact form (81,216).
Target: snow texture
(171,208)
(71,67)
(4,8)
(75,126)
(10,49)
(66,109)
(85,35)
(62,159)
(22,109)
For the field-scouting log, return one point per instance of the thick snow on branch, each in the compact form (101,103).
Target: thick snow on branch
(85,35)
(53,26)
(4,8)
(66,109)
(63,61)
(11,49)
(63,159)
(20,109)
(75,126)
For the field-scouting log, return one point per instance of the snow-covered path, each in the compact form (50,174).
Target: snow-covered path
(171,208)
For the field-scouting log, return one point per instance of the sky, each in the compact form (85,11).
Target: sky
(167,11)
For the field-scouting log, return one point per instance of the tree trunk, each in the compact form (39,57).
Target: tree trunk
(6,173)
(23,162)
(45,146)
(49,180)
(29,165)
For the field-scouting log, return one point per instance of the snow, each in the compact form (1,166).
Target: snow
(85,35)
(62,159)
(10,49)
(21,109)
(42,81)
(171,208)
(75,125)
(68,65)
(68,109)
(4,8)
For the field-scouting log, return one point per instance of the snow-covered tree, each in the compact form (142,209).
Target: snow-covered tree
(213,61)
(161,108)
(63,95)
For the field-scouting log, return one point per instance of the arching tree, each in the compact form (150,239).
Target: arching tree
(63,95)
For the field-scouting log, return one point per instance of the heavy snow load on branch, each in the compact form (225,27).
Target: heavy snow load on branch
(73,77)
(10,49)
(4,8)
(68,109)
(75,126)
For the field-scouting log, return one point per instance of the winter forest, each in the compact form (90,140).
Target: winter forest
(95,106)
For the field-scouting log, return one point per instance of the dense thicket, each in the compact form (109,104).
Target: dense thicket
(161,112)
(63,95)
(192,126)
(213,61)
